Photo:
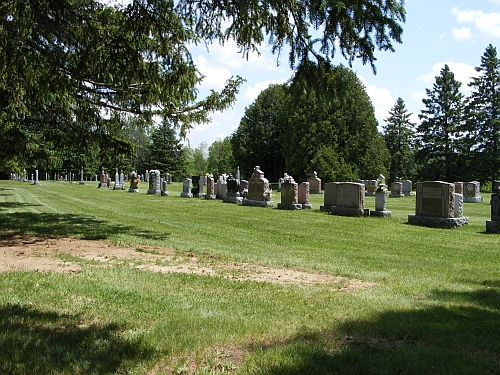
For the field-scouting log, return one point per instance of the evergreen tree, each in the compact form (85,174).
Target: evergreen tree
(167,153)
(399,137)
(440,131)
(331,126)
(483,117)
(66,65)
(257,141)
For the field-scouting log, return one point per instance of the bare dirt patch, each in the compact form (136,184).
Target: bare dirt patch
(50,254)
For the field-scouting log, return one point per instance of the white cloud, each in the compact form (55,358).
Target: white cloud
(253,92)
(381,98)
(462,35)
(463,73)
(214,77)
(488,24)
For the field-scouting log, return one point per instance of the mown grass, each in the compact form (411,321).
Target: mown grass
(435,309)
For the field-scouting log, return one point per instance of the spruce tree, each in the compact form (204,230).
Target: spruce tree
(399,137)
(440,131)
(167,153)
(483,116)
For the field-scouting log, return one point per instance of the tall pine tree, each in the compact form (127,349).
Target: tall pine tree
(167,153)
(483,116)
(440,131)
(399,137)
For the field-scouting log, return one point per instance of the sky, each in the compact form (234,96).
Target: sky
(436,32)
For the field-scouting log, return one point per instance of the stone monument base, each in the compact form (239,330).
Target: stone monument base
(396,195)
(492,226)
(210,197)
(103,185)
(325,208)
(251,202)
(154,192)
(381,213)
(164,193)
(289,206)
(369,193)
(229,199)
(307,206)
(186,195)
(409,194)
(133,190)
(473,199)
(315,191)
(354,212)
(438,222)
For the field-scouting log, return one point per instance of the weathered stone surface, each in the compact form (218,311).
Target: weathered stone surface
(435,199)
(304,193)
(289,206)
(437,222)
(349,199)
(407,187)
(314,184)
(397,190)
(187,185)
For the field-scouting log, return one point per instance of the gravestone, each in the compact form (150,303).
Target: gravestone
(243,188)
(122,180)
(349,200)
(259,193)
(435,206)
(117,180)
(304,196)
(210,192)
(472,192)
(370,186)
(381,201)
(314,184)
(493,225)
(221,187)
(164,191)
(103,182)
(407,188)
(329,197)
(289,194)
(233,194)
(187,186)
(495,186)
(36,177)
(154,179)
(396,190)
(81,177)
(134,182)
(459,187)
(195,185)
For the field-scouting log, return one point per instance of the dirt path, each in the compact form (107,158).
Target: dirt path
(71,255)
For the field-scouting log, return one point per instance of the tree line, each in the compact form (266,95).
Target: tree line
(458,138)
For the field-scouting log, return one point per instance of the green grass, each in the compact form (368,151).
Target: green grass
(436,308)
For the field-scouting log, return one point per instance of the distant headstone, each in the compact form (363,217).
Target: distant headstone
(233,194)
(396,190)
(221,187)
(122,180)
(407,187)
(472,192)
(304,196)
(210,192)
(435,206)
(349,200)
(81,177)
(154,179)
(289,194)
(187,185)
(381,200)
(259,193)
(330,196)
(134,182)
(164,191)
(459,187)
(370,186)
(36,177)
(314,184)
(493,225)
(103,181)
(117,180)
(495,187)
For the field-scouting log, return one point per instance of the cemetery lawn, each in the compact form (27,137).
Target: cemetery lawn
(97,281)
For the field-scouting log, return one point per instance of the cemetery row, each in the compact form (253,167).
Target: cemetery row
(438,204)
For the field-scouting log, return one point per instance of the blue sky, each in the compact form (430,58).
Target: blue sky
(436,32)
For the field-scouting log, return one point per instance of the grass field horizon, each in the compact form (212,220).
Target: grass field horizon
(435,307)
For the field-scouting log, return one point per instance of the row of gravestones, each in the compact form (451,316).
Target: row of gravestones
(438,204)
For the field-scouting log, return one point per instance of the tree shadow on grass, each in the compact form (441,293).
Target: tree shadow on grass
(67,225)
(39,342)
(461,335)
